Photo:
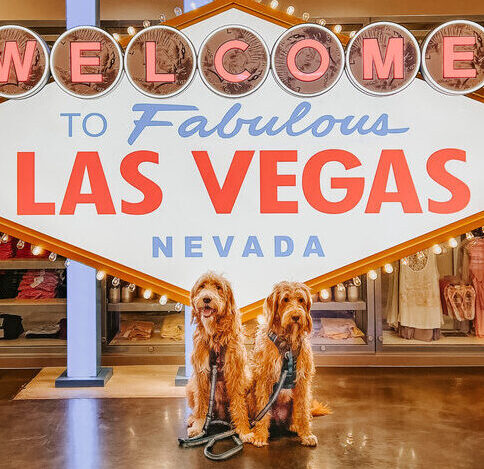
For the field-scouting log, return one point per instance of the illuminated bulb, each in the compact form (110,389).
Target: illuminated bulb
(305,16)
(178,11)
(5,238)
(372,275)
(20,244)
(353,33)
(357,281)
(36,250)
(274,4)
(116,36)
(388,268)
(67,263)
(147,294)
(469,235)
(453,243)
(146,23)
(290,10)
(163,300)
(116,282)
(178,307)
(324,294)
(437,249)
(404,261)
(131,31)
(340,287)
(162,18)
(132,287)
(100,275)
(337,28)
(52,257)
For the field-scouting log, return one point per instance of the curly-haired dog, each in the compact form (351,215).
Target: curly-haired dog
(287,314)
(218,337)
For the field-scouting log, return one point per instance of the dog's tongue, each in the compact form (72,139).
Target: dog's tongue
(207,311)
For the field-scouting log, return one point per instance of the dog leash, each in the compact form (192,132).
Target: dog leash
(286,381)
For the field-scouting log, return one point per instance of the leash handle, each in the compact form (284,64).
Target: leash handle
(209,454)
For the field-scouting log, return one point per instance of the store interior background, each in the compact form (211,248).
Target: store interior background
(356,323)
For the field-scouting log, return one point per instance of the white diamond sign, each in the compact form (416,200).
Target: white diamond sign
(263,187)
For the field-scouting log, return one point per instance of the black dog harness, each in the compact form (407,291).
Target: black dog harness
(287,380)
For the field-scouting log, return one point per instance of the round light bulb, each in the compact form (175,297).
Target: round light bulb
(305,16)
(357,281)
(388,268)
(453,243)
(52,257)
(437,249)
(20,244)
(324,293)
(146,23)
(178,307)
(100,275)
(67,263)
(352,33)
(372,275)
(162,18)
(147,294)
(163,300)
(115,282)
(131,30)
(290,10)
(116,36)
(274,4)
(132,287)
(178,11)
(5,238)
(36,250)
(337,28)
(322,21)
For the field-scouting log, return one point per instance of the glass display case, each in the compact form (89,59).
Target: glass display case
(138,322)
(433,299)
(343,318)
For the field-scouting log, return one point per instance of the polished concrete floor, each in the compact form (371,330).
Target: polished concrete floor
(383,418)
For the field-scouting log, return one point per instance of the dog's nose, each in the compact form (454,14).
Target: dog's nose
(295,318)
(207,300)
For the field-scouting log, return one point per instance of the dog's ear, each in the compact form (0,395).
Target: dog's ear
(230,298)
(192,304)
(270,307)
(309,303)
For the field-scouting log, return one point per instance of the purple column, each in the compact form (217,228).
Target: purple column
(83,292)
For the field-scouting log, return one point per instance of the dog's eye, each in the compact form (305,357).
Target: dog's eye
(219,287)
(202,285)
(301,300)
(286,299)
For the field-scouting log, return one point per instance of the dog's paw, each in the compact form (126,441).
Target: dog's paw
(195,429)
(246,437)
(259,441)
(293,428)
(309,440)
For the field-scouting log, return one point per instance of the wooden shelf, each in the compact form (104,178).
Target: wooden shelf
(16,306)
(339,306)
(32,264)
(139,305)
(24,342)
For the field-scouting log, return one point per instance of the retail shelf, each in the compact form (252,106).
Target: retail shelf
(339,306)
(28,264)
(17,306)
(139,305)
(391,338)
(155,339)
(327,341)
(24,342)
